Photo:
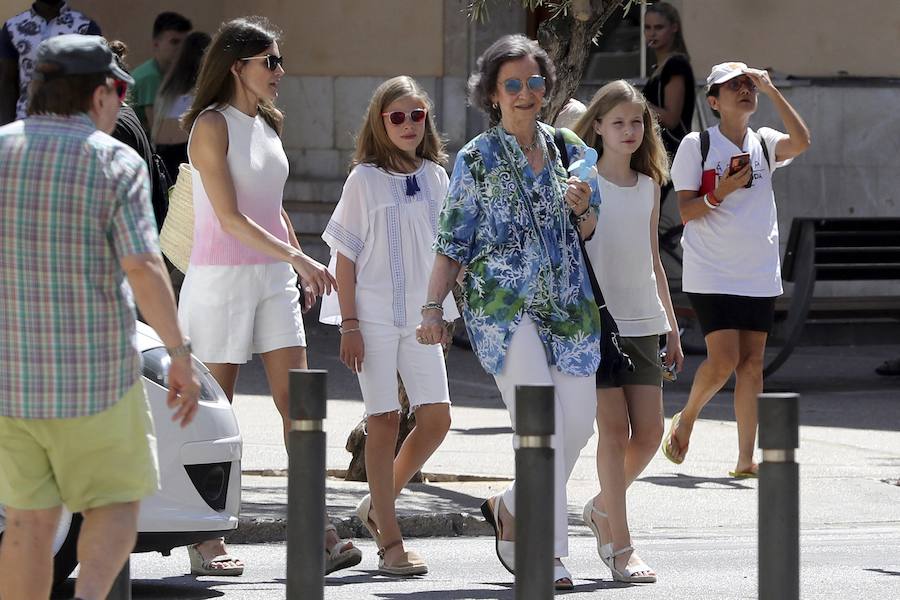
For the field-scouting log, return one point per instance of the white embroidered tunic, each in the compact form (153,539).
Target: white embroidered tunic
(385,223)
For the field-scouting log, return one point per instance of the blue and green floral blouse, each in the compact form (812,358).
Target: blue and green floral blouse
(510,228)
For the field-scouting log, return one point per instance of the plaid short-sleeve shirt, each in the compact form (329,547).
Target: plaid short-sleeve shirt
(73,201)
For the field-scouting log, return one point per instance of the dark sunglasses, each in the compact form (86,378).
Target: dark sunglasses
(121,89)
(737,83)
(535,83)
(272,61)
(398,117)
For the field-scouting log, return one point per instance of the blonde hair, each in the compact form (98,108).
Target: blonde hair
(373,146)
(650,157)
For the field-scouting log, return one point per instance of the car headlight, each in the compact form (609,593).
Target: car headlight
(156,363)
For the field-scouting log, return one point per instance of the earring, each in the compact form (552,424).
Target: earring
(495,106)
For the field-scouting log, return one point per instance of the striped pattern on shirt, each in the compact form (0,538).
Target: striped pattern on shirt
(73,201)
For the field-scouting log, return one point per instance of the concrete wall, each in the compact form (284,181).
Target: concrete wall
(850,170)
(807,38)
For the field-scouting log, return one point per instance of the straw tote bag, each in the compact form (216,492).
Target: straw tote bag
(177,234)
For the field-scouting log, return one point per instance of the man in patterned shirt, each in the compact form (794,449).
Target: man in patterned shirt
(19,39)
(75,222)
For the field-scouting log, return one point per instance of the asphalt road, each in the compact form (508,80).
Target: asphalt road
(838,564)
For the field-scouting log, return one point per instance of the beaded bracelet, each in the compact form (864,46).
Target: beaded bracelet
(432,306)
(348,319)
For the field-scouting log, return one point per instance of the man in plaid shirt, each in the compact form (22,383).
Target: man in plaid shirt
(75,222)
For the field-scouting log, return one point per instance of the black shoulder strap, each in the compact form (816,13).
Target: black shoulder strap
(564,157)
(765,150)
(704,147)
(561,148)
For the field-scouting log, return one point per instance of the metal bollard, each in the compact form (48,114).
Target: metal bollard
(535,416)
(306,486)
(779,497)
(121,587)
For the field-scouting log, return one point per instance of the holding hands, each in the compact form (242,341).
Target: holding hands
(432,329)
(316,278)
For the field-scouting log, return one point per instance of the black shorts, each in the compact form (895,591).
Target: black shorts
(725,311)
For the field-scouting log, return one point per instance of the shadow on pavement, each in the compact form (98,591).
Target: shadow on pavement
(482,430)
(505,592)
(689,482)
(183,586)
(884,572)
(454,499)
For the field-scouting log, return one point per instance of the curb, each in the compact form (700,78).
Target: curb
(261,530)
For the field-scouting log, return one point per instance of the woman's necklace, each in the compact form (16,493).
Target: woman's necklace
(532,146)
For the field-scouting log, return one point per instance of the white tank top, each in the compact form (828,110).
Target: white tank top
(259,170)
(622,259)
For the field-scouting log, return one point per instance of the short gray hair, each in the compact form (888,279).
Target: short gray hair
(483,82)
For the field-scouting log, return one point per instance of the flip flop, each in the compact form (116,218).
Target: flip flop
(743,474)
(670,437)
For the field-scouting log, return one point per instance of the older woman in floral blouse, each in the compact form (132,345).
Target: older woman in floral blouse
(528,304)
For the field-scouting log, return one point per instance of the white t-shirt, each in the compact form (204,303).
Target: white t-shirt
(388,234)
(622,258)
(734,248)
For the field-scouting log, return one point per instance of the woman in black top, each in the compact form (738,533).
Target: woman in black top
(670,88)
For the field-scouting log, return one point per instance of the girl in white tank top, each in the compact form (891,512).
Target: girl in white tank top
(625,257)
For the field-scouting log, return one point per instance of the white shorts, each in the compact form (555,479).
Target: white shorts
(389,349)
(231,312)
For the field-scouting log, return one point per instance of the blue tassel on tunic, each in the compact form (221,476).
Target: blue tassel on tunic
(412,186)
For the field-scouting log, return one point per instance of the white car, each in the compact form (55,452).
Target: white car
(199,467)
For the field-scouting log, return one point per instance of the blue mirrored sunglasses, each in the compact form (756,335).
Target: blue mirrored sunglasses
(535,83)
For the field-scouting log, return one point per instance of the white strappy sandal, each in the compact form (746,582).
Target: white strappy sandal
(604,550)
(629,574)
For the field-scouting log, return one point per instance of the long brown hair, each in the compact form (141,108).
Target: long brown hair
(235,39)
(373,146)
(181,78)
(650,157)
(670,14)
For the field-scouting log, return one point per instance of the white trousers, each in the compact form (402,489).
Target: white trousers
(576,407)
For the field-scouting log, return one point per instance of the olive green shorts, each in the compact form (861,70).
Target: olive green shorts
(644,353)
(84,462)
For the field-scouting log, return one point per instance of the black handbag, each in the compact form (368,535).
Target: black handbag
(613,361)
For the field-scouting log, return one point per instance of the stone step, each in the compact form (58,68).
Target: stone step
(309,217)
(302,189)
(314,247)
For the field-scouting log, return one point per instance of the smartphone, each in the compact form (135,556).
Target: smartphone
(738,162)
